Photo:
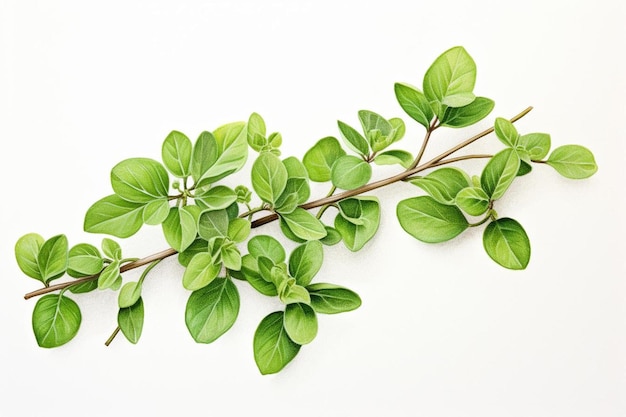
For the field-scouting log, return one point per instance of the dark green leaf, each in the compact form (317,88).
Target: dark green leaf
(443,184)
(332,299)
(467,115)
(130,320)
(304,225)
(430,221)
(499,173)
(176,154)
(56,320)
(212,310)
(392,157)
(273,349)
(320,158)
(305,261)
(355,236)
(52,258)
(573,161)
(250,270)
(350,172)
(414,103)
(114,216)
(507,243)
(140,180)
(300,323)
(332,236)
(26,250)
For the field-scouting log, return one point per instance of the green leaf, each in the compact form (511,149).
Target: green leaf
(443,184)
(320,158)
(355,236)
(198,246)
(288,233)
(129,294)
(26,250)
(180,228)
(212,224)
(238,230)
(130,320)
(350,172)
(218,197)
(353,139)
(231,257)
(392,157)
(474,112)
(205,153)
(332,236)
(332,299)
(111,249)
(274,140)
(499,173)
(109,276)
(378,131)
(52,258)
(56,320)
(84,260)
(430,221)
(212,310)
(250,270)
(263,245)
(300,323)
(507,243)
(156,211)
(305,261)
(304,225)
(450,80)
(232,146)
(287,203)
(269,177)
(273,349)
(298,187)
(536,144)
(176,154)
(84,287)
(399,128)
(573,161)
(506,132)
(524,168)
(200,272)
(473,200)
(114,216)
(256,132)
(295,168)
(414,103)
(140,180)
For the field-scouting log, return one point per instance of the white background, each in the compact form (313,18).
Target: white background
(443,331)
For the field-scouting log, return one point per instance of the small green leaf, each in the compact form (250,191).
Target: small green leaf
(250,270)
(176,154)
(212,310)
(399,128)
(287,231)
(524,168)
(287,203)
(320,158)
(273,349)
(180,228)
(263,245)
(473,200)
(507,243)
(298,187)
(84,260)
(218,197)
(350,172)
(414,103)
(474,112)
(156,211)
(300,323)
(269,177)
(140,180)
(200,272)
(238,230)
(56,320)
(506,132)
(274,140)
(305,261)
(198,246)
(573,161)
(114,216)
(378,131)
(129,294)
(232,152)
(353,139)
(430,221)
(111,249)
(204,155)
(499,173)
(332,299)
(295,168)
(84,287)
(392,157)
(130,320)
(355,236)
(443,184)
(256,132)
(293,293)
(26,250)
(231,257)
(53,258)
(536,144)
(109,276)
(332,236)
(304,225)
(212,224)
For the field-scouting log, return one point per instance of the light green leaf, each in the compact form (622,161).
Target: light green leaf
(205,153)
(111,249)
(130,320)
(84,260)
(443,184)
(353,139)
(288,233)
(56,320)
(414,103)
(474,112)
(274,140)
(129,294)
(114,216)
(473,200)
(332,299)
(212,224)
(269,177)
(218,197)
(573,161)
(320,158)
(450,80)
(507,243)
(140,180)
(291,293)
(536,144)
(52,258)
(298,187)
(287,202)
(238,230)
(256,132)
(295,168)
(430,221)
(198,246)
(109,276)
(232,153)
(378,131)
(250,270)
(180,228)
(304,225)
(305,261)
(26,250)
(212,310)
(399,128)
(176,154)
(332,236)
(263,245)
(499,173)
(200,272)
(273,349)
(156,211)
(355,236)
(231,257)
(350,172)
(392,157)
(506,132)
(300,323)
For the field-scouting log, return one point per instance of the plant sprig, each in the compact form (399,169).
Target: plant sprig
(208,224)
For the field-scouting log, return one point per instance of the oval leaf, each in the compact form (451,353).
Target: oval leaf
(472,200)
(267,246)
(350,172)
(200,272)
(212,224)
(176,154)
(443,184)
(506,132)
(467,115)
(499,173)
(129,294)
(130,320)
(507,243)
(26,250)
(430,221)
(204,155)
(269,177)
(273,349)
(52,258)
(139,180)
(355,230)
(212,310)
(573,161)
(218,197)
(320,158)
(414,103)
(114,216)
(300,323)
(305,261)
(353,139)
(179,228)
(332,299)
(156,211)
(304,225)
(84,260)
(232,152)
(56,320)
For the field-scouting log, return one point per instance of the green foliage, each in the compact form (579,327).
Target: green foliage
(207,217)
